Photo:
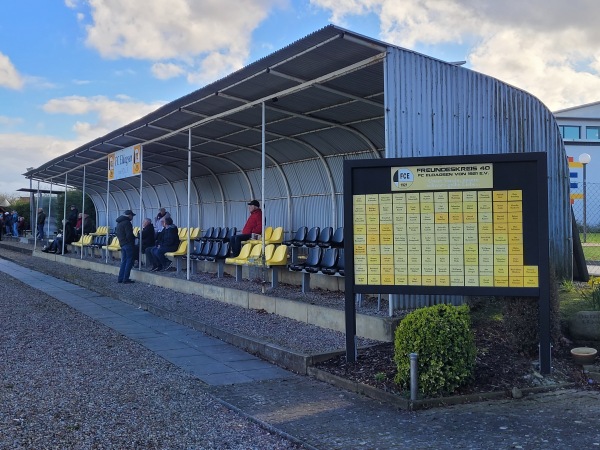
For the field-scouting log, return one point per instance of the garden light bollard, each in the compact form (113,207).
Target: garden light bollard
(414,376)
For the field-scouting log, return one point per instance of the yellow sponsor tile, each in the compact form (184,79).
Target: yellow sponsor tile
(385,198)
(374,280)
(428,249)
(515,207)
(442,249)
(500,217)
(386,228)
(530,282)
(372,199)
(427,208)
(471,260)
(515,217)
(471,249)
(486,281)
(373,239)
(501,249)
(485,217)
(360,239)
(412,197)
(485,228)
(516,249)
(413,218)
(515,194)
(500,260)
(428,218)
(530,271)
(442,280)
(469,196)
(412,208)
(501,271)
(373,229)
(455,196)
(360,279)
(455,207)
(471,280)
(500,281)
(515,238)
(428,280)
(387,280)
(374,270)
(515,228)
(372,219)
(500,238)
(455,218)
(500,228)
(372,249)
(469,217)
(515,271)
(399,197)
(500,207)
(373,259)
(360,249)
(516,260)
(359,219)
(441,218)
(484,196)
(499,196)
(372,209)
(360,229)
(457,280)
(400,280)
(414,280)
(515,281)
(358,200)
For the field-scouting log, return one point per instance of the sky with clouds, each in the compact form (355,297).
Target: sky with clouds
(73,70)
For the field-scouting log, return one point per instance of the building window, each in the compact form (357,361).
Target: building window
(592,133)
(569,131)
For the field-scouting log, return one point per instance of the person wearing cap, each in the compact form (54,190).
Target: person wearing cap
(73,216)
(253,226)
(124,231)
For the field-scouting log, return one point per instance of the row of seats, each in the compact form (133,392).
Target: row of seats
(316,236)
(328,261)
(221,234)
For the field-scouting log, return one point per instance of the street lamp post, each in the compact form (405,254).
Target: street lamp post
(584,159)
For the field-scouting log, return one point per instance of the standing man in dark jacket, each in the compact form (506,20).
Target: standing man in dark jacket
(126,238)
(73,216)
(41,220)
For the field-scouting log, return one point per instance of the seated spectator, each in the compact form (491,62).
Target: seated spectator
(56,245)
(148,236)
(253,226)
(168,241)
(158,220)
(21,226)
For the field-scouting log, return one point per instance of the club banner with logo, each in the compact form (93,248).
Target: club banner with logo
(125,163)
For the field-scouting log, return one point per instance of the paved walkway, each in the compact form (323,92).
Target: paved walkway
(326,417)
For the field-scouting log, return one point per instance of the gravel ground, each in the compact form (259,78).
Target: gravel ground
(287,333)
(69,382)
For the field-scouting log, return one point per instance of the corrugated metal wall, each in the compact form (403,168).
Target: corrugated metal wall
(438,109)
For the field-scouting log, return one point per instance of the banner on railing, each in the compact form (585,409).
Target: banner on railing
(125,163)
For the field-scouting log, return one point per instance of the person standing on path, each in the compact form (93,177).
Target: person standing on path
(126,238)
(41,220)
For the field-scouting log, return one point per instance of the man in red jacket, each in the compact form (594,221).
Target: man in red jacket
(253,226)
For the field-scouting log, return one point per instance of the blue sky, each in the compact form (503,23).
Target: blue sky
(73,70)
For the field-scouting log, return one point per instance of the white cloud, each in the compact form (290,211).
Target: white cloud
(164,71)
(109,114)
(547,47)
(211,37)
(9,76)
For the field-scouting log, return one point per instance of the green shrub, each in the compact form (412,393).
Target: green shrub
(441,335)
